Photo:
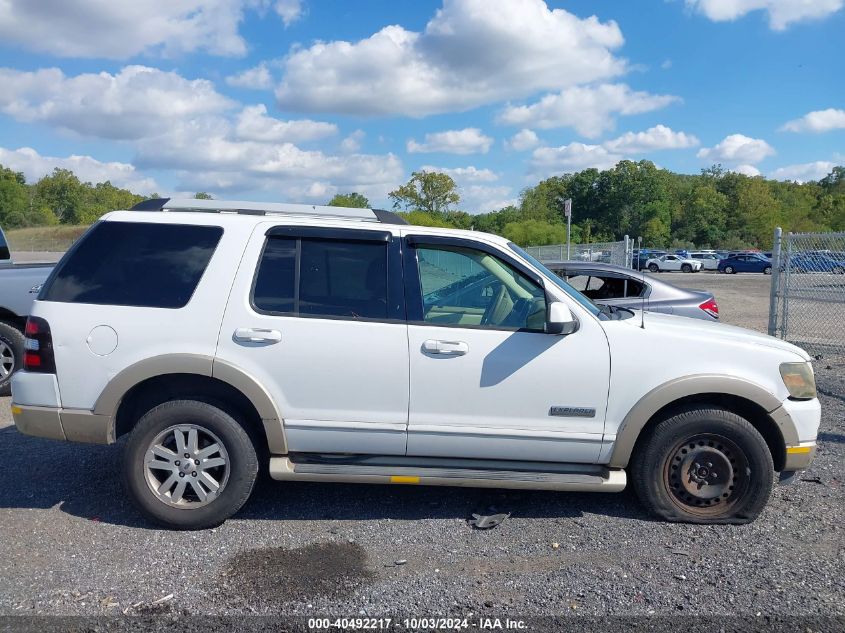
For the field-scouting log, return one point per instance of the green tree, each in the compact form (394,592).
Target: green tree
(202,195)
(14,198)
(431,192)
(62,193)
(354,200)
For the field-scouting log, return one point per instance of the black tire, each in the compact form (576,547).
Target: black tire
(686,268)
(11,354)
(653,268)
(242,464)
(767,270)
(729,270)
(675,462)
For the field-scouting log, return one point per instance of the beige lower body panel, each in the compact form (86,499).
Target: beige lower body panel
(283,469)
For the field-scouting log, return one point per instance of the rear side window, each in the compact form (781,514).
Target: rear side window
(134,264)
(335,278)
(4,248)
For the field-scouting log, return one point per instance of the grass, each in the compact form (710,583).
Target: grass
(44,238)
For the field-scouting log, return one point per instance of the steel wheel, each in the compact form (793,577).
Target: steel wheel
(706,474)
(7,361)
(186,466)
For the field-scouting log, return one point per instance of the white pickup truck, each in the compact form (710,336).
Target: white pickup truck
(332,344)
(19,285)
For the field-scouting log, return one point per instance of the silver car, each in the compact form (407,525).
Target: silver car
(625,288)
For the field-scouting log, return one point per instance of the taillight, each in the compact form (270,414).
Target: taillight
(38,347)
(711,307)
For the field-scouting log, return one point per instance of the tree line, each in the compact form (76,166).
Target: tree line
(716,208)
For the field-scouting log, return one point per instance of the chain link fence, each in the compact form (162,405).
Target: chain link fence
(618,253)
(807,302)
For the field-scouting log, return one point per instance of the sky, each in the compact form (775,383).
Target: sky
(297,100)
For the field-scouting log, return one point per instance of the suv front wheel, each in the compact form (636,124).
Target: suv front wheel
(703,465)
(189,465)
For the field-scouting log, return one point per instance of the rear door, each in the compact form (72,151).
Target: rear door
(317,315)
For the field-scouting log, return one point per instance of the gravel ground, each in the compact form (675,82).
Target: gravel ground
(73,546)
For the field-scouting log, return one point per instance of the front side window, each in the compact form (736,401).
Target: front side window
(322,277)
(468,287)
(134,264)
(4,248)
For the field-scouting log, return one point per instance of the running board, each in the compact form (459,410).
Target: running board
(464,473)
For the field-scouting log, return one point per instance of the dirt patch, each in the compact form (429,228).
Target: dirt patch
(272,576)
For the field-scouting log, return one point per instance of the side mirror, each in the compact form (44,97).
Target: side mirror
(560,320)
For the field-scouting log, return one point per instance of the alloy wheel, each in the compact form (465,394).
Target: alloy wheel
(7,360)
(186,466)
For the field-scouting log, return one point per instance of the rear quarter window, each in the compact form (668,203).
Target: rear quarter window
(134,264)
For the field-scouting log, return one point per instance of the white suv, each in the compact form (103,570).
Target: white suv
(330,344)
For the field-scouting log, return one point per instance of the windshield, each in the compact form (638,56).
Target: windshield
(556,280)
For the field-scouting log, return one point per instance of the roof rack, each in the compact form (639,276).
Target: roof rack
(268,208)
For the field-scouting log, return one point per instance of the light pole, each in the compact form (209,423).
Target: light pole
(567,211)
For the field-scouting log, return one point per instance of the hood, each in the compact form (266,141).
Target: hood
(716,332)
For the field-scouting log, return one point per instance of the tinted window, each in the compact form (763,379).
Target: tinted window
(336,278)
(135,264)
(4,248)
(472,288)
(276,281)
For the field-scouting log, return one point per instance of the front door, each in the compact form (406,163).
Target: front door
(486,380)
(318,317)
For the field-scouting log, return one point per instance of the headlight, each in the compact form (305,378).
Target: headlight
(799,380)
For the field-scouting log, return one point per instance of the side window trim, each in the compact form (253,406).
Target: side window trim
(396,309)
(413,290)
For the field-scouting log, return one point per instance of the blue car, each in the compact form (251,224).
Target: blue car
(815,263)
(745,263)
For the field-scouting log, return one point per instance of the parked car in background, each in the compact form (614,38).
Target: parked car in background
(640,258)
(611,285)
(813,263)
(709,260)
(746,263)
(19,284)
(673,262)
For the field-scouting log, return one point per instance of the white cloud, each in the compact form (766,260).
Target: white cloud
(467,141)
(207,154)
(136,102)
(656,138)
(747,170)
(523,140)
(289,10)
(468,55)
(667,64)
(118,30)
(737,148)
(86,168)
(256,78)
(781,12)
(483,199)
(590,110)
(352,143)
(804,172)
(571,158)
(817,121)
(464,174)
(253,124)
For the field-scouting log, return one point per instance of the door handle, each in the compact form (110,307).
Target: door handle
(446,348)
(257,335)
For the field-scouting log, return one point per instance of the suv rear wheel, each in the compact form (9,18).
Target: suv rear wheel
(653,268)
(189,465)
(703,465)
(11,355)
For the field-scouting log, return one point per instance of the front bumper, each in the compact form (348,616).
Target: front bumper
(63,424)
(798,421)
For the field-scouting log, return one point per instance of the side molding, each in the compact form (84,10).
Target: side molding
(683,387)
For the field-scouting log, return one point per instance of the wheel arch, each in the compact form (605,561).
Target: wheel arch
(155,380)
(745,398)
